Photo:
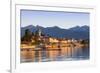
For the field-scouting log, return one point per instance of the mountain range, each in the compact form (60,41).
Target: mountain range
(77,32)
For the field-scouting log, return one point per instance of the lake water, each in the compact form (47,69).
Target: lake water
(63,54)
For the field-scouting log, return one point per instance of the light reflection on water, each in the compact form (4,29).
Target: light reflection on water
(63,54)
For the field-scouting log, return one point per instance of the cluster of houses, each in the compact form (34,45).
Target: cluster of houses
(51,41)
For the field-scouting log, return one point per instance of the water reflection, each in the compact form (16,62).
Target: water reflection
(61,54)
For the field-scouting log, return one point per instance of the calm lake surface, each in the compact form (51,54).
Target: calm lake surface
(63,54)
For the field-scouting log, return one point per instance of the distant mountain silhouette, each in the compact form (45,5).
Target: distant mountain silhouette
(74,32)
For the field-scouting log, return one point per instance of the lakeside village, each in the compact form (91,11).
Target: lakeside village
(39,41)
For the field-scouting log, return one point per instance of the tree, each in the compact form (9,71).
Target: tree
(28,35)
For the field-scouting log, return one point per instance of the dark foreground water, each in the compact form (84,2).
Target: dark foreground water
(63,54)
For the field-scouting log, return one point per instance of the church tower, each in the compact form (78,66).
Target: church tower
(39,31)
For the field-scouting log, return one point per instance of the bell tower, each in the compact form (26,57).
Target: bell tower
(39,31)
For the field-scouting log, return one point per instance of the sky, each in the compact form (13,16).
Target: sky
(50,18)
